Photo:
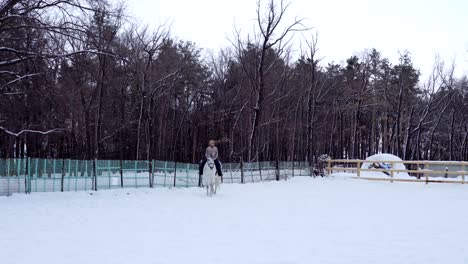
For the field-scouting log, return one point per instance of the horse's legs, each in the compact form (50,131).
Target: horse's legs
(217,183)
(207,189)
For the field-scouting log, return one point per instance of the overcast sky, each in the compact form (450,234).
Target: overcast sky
(345,27)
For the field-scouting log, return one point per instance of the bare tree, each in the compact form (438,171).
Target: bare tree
(270,36)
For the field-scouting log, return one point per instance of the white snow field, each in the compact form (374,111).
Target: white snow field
(303,220)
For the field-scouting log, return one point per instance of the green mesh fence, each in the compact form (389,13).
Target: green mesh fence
(52,175)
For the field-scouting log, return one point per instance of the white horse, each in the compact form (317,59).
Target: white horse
(210,179)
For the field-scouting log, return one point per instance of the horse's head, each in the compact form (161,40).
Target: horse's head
(210,163)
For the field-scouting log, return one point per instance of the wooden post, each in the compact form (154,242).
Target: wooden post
(417,168)
(463,173)
(329,167)
(426,175)
(392,175)
(358,168)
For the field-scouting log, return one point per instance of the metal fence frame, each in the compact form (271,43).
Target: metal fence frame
(52,175)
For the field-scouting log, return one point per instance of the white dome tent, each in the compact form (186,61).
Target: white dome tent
(383,160)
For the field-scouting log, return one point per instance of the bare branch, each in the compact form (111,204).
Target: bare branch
(56,130)
(20,78)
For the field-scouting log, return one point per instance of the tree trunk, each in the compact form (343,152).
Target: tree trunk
(452,131)
(406,147)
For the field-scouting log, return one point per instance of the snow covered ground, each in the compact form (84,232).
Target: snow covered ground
(304,220)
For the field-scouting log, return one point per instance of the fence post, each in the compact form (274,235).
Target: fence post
(76,175)
(417,168)
(418,175)
(259,170)
(463,175)
(136,173)
(63,175)
(292,174)
(95,174)
(427,168)
(277,170)
(426,175)
(31,176)
(150,173)
(18,167)
(69,173)
(187,177)
(86,175)
(45,169)
(121,173)
(358,164)
(230,172)
(8,177)
(242,169)
(109,172)
(27,179)
(175,173)
(392,175)
(251,167)
(165,173)
(53,175)
(37,175)
(76,168)
(328,167)
(18,173)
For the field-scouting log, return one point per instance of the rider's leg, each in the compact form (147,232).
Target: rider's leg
(218,167)
(202,164)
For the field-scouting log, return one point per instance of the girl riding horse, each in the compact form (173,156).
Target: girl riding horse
(211,152)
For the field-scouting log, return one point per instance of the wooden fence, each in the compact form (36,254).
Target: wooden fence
(419,170)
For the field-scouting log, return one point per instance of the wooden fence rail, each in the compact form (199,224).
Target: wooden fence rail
(423,170)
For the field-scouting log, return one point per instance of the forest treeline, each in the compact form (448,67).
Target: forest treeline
(82,80)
